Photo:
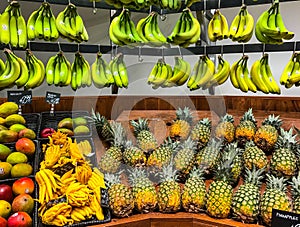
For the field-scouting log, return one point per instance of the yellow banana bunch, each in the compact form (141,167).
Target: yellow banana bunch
(217,27)
(119,71)
(85,148)
(41,24)
(70,25)
(96,207)
(79,214)
(270,28)
(160,74)
(80,72)
(13,26)
(148,30)
(242,26)
(291,72)
(170,4)
(96,180)
(187,30)
(58,70)
(101,73)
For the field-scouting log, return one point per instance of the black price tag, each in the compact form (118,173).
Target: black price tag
(283,218)
(52,98)
(20,97)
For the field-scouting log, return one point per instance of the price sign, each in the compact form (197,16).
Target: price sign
(283,218)
(20,97)
(52,97)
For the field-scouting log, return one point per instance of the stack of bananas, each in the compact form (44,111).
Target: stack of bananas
(41,24)
(58,70)
(217,27)
(262,76)
(13,26)
(101,73)
(240,77)
(148,30)
(119,71)
(170,4)
(242,26)
(186,31)
(70,25)
(291,73)
(270,28)
(160,73)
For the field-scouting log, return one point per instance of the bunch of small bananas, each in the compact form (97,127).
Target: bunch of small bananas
(170,4)
(270,28)
(131,4)
(58,70)
(262,76)
(101,73)
(149,31)
(186,31)
(291,73)
(217,27)
(160,73)
(240,77)
(80,72)
(70,25)
(119,71)
(242,26)
(13,26)
(41,24)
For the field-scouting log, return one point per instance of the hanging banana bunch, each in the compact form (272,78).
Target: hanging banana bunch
(58,70)
(291,73)
(131,4)
(70,25)
(100,72)
(13,26)
(242,26)
(217,27)
(119,71)
(160,74)
(170,4)
(10,71)
(186,31)
(270,28)
(41,24)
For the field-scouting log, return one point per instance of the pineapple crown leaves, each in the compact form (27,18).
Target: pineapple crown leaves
(228,118)
(168,173)
(168,142)
(197,173)
(216,144)
(295,186)
(184,114)
(248,116)
(277,183)
(206,122)
(128,144)
(187,144)
(254,176)
(276,122)
(223,172)
(231,150)
(140,125)
(118,134)
(135,174)
(112,179)
(286,139)
(249,144)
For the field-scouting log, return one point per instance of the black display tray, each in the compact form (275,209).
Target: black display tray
(32,121)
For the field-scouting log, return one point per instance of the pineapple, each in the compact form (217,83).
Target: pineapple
(169,191)
(274,197)
(284,160)
(267,135)
(246,129)
(184,158)
(121,201)
(194,192)
(245,201)
(201,132)
(209,156)
(296,193)
(145,139)
(134,156)
(254,156)
(225,128)
(144,193)
(102,125)
(181,127)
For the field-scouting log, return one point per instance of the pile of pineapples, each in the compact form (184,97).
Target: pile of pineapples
(240,171)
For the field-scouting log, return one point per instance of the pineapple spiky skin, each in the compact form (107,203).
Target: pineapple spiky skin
(200,133)
(194,192)
(181,127)
(109,164)
(254,156)
(274,197)
(134,156)
(296,193)
(102,125)
(225,129)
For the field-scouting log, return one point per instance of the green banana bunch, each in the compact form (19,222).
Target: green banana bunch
(100,72)
(291,72)
(119,71)
(122,30)
(13,26)
(70,25)
(187,30)
(270,28)
(148,30)
(80,72)
(58,70)
(41,24)
(131,4)
(242,26)
(217,27)
(160,74)
(202,73)
(36,71)
(170,4)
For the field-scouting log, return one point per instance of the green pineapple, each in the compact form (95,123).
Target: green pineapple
(194,192)
(145,139)
(225,129)
(245,201)
(246,129)
(102,125)
(134,156)
(296,193)
(274,197)
(181,127)
(200,133)
(284,160)
(266,136)
(121,201)
(254,156)
(144,193)
(169,191)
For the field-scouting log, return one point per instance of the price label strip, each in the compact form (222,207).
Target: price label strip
(20,98)
(285,219)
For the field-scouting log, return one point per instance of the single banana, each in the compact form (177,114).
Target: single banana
(153,72)
(235,24)
(208,74)
(13,28)
(222,74)
(31,24)
(22,30)
(24,75)
(12,70)
(115,72)
(193,76)
(122,70)
(233,76)
(224,26)
(239,72)
(256,77)
(286,34)
(50,67)
(247,78)
(4,26)
(186,76)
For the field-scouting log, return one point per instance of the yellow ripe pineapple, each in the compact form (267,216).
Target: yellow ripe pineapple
(181,127)
(134,156)
(225,130)
(201,132)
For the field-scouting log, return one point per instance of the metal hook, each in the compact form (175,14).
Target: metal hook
(140,59)
(9,46)
(59,47)
(243,2)
(45,0)
(163,53)
(243,49)
(222,50)
(69,2)
(264,49)
(205,5)
(29,46)
(150,9)
(99,49)
(116,51)
(163,16)
(94,7)
(295,46)
(204,50)
(219,4)
(112,52)
(78,47)
(180,52)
